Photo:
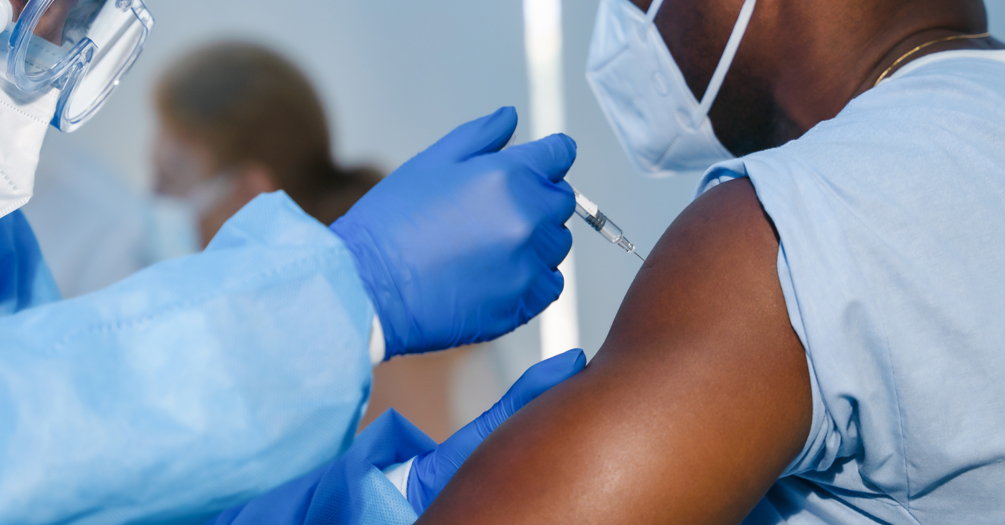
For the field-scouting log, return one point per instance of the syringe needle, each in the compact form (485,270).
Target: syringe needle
(589,211)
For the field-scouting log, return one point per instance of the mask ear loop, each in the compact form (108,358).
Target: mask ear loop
(740,29)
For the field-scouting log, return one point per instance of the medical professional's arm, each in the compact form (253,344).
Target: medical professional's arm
(203,381)
(698,400)
(194,383)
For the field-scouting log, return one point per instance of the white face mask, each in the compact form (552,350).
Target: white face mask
(23,122)
(660,124)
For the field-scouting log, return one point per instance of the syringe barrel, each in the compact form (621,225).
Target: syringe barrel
(590,213)
(610,231)
(602,224)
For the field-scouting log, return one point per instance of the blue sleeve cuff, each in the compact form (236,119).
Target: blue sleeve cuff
(350,490)
(379,284)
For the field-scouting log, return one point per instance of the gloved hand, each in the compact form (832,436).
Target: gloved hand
(462,243)
(432,470)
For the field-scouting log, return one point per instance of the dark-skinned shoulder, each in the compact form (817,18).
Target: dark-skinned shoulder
(696,403)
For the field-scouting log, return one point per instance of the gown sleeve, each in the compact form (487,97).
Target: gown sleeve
(25,279)
(189,387)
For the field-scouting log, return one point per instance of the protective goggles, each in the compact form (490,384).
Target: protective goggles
(81,47)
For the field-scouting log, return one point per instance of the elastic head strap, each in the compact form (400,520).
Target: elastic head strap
(653,9)
(740,29)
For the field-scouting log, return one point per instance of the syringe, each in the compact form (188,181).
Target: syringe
(590,213)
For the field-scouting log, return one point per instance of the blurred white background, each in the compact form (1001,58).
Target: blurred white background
(397,75)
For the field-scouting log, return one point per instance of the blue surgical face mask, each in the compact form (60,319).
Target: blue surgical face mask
(662,127)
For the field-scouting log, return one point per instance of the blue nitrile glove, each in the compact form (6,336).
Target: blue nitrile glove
(462,243)
(432,470)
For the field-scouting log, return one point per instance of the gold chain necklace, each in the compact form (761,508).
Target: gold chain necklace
(923,46)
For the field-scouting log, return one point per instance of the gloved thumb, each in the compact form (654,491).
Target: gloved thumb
(431,471)
(551,156)
(487,134)
(537,380)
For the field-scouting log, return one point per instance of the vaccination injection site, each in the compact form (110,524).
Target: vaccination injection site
(502,262)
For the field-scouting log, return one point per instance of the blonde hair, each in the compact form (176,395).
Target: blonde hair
(246,104)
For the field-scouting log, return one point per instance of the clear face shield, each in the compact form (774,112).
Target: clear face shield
(81,47)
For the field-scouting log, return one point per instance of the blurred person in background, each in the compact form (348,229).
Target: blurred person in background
(236,120)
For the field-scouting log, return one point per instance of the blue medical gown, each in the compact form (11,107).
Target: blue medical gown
(186,389)
(25,280)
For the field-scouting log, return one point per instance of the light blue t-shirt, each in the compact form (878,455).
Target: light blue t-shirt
(892,262)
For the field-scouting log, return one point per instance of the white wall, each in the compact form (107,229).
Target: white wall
(397,75)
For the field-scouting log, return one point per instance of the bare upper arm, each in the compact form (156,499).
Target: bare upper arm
(695,404)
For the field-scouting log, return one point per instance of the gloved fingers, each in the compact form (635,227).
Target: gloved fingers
(561,202)
(537,380)
(552,244)
(487,134)
(541,377)
(551,156)
(543,291)
(432,470)
(537,291)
